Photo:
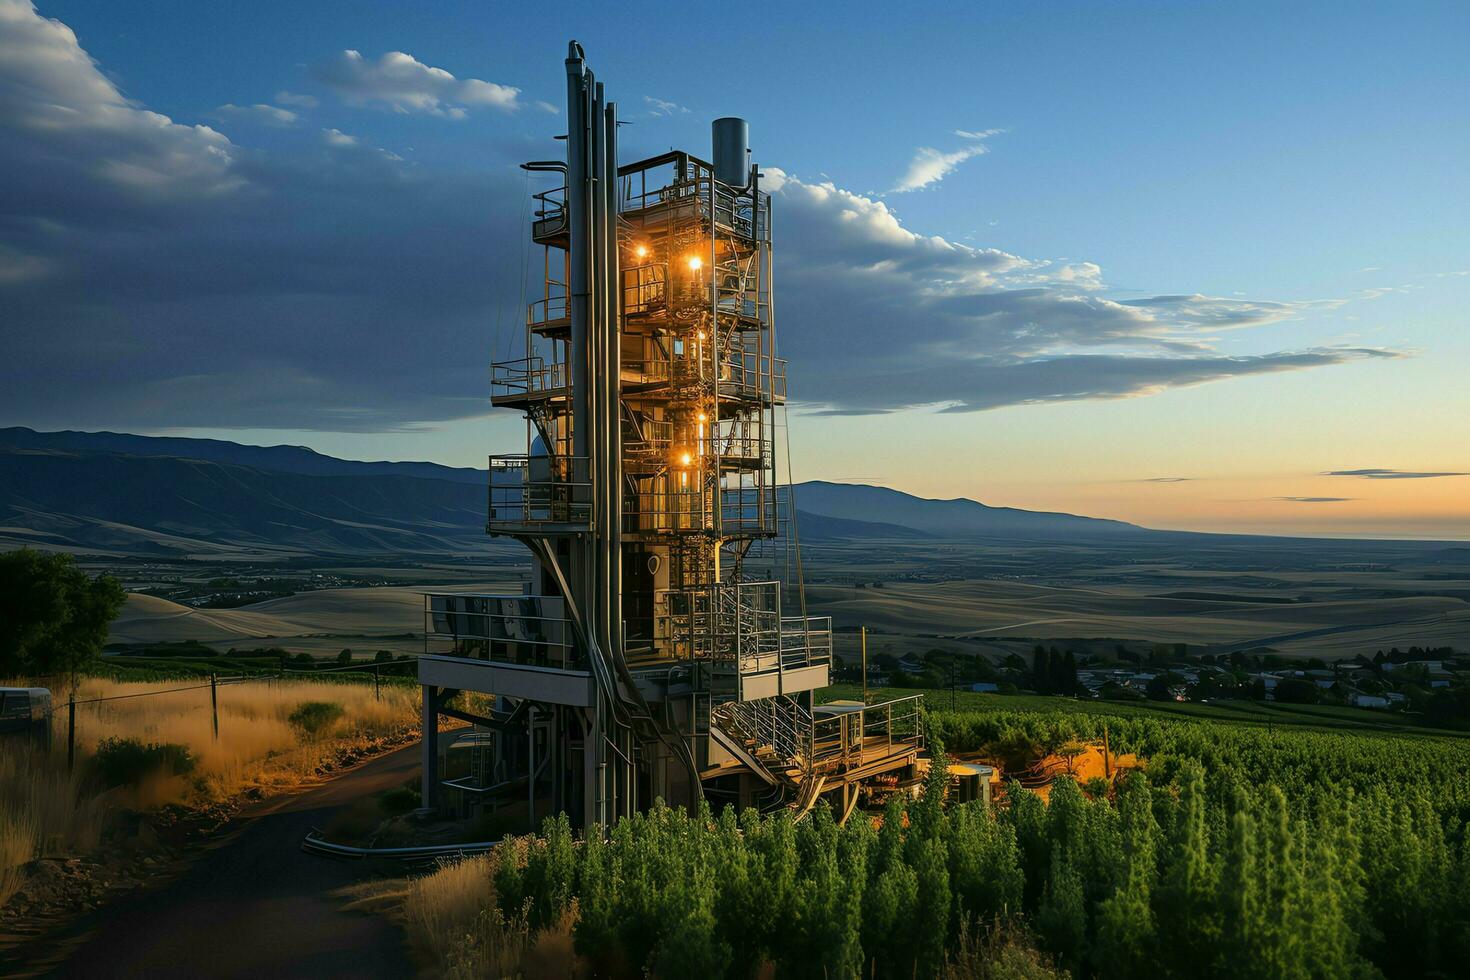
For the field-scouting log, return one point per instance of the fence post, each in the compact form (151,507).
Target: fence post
(377,693)
(214,702)
(71,730)
(865,663)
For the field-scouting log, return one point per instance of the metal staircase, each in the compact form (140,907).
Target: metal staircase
(802,757)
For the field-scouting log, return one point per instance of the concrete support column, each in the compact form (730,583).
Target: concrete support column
(429,748)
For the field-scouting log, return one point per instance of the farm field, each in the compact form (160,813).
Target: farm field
(1267,714)
(971,597)
(1317,599)
(1318,847)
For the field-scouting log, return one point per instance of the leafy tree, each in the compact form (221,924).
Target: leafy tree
(1298,690)
(1041,670)
(1069,674)
(345,657)
(1158,688)
(53,616)
(1061,919)
(1187,909)
(1126,932)
(891,900)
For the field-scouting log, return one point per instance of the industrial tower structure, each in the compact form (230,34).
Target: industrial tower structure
(644,661)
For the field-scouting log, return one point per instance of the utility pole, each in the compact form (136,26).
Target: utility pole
(71,730)
(864,634)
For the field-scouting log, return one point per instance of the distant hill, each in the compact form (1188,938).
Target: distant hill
(816,527)
(165,496)
(960,516)
(161,505)
(277,459)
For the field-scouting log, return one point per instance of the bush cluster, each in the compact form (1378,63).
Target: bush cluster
(313,718)
(1242,853)
(127,761)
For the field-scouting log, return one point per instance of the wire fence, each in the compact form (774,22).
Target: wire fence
(215,683)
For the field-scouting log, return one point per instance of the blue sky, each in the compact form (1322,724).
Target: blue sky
(1223,244)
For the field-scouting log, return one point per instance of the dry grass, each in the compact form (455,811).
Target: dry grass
(43,812)
(46,811)
(998,952)
(453,921)
(258,747)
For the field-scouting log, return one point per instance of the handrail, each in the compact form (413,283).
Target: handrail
(529,490)
(526,629)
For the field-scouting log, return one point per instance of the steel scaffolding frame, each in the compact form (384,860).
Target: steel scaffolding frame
(651,387)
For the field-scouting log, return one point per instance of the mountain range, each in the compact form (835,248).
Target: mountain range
(115,493)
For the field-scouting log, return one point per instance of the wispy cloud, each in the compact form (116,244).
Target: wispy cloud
(980,328)
(71,143)
(1314,500)
(296,99)
(662,107)
(929,166)
(405,84)
(267,115)
(335,137)
(1166,479)
(1381,474)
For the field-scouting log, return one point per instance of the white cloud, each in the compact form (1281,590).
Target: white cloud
(890,319)
(18,267)
(174,300)
(929,166)
(405,84)
(68,129)
(294,98)
(662,107)
(267,115)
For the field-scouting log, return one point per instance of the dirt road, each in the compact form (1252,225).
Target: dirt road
(255,905)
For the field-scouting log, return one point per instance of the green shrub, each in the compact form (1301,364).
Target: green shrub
(126,761)
(1244,852)
(312,718)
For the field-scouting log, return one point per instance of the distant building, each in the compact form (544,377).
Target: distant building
(984,687)
(1370,701)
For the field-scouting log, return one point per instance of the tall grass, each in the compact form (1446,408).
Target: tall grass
(453,917)
(258,746)
(44,810)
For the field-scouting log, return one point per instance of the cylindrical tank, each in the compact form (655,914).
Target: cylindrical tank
(732,150)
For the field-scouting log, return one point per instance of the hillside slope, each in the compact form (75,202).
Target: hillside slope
(277,459)
(163,505)
(854,501)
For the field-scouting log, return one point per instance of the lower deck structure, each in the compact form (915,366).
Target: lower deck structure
(752,729)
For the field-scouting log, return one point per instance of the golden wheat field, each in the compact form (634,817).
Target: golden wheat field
(45,810)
